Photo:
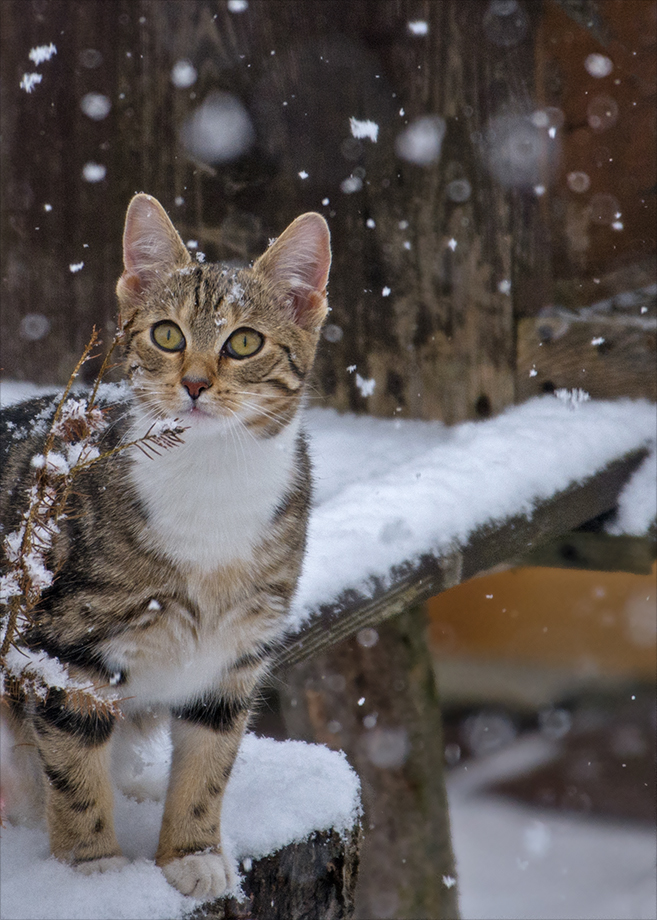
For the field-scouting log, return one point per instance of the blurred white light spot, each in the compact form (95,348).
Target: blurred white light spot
(303,174)
(332,333)
(361,701)
(640,620)
(75,267)
(42,53)
(504,287)
(422,140)
(47,207)
(192,244)
(459,190)
(602,113)
(367,637)
(183,74)
(90,58)
(94,172)
(237,6)
(599,65)
(618,225)
(361,129)
(486,732)
(418,27)
(599,340)
(554,723)
(519,153)
(326,201)
(537,839)
(386,292)
(449,881)
(34,326)
(387,748)
(578,181)
(370,223)
(179,200)
(351,185)
(219,131)
(533,372)
(505,23)
(370,720)
(95,106)
(30,80)
(539,190)
(452,244)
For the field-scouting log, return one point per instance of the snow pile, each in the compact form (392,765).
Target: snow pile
(387,492)
(279,793)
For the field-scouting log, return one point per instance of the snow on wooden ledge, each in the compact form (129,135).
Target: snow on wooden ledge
(405,509)
(279,793)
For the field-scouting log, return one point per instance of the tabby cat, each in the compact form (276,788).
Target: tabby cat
(175,572)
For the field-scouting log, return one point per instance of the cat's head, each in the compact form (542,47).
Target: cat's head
(206,342)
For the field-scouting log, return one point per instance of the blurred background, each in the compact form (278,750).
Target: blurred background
(488,171)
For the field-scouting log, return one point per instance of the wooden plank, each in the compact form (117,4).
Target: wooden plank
(608,356)
(488,547)
(599,552)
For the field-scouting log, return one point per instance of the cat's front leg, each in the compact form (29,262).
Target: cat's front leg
(73,747)
(206,735)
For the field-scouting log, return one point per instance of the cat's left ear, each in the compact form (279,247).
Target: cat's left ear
(297,266)
(151,247)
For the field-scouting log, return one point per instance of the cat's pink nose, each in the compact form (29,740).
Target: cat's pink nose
(195,387)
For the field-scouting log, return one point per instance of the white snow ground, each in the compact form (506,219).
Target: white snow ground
(516,862)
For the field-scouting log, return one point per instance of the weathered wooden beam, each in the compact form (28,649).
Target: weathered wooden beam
(609,356)
(599,552)
(313,880)
(489,546)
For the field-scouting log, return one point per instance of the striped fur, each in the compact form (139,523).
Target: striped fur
(175,572)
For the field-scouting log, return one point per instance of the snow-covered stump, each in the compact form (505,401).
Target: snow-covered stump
(313,880)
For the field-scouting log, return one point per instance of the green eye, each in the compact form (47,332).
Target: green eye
(244,343)
(168,336)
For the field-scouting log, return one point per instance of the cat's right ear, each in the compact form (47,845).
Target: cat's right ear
(151,248)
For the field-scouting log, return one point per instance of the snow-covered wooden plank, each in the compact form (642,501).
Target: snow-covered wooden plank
(406,510)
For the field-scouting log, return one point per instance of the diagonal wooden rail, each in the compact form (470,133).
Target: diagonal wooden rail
(500,543)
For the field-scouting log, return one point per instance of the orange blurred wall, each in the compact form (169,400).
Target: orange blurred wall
(592,622)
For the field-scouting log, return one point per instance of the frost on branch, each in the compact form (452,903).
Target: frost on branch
(72,444)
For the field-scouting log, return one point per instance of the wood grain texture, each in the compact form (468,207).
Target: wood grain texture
(441,345)
(313,880)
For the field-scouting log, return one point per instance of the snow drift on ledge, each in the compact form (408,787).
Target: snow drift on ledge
(279,793)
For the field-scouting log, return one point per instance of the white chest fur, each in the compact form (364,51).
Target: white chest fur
(209,500)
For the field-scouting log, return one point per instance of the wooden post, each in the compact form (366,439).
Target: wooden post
(374,697)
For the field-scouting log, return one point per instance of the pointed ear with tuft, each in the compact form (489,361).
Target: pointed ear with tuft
(151,248)
(297,266)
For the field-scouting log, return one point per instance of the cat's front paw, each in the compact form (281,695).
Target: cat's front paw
(106,864)
(200,875)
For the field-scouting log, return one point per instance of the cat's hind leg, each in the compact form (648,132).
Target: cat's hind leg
(74,750)
(21,778)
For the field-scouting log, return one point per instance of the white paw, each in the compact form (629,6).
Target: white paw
(200,875)
(106,864)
